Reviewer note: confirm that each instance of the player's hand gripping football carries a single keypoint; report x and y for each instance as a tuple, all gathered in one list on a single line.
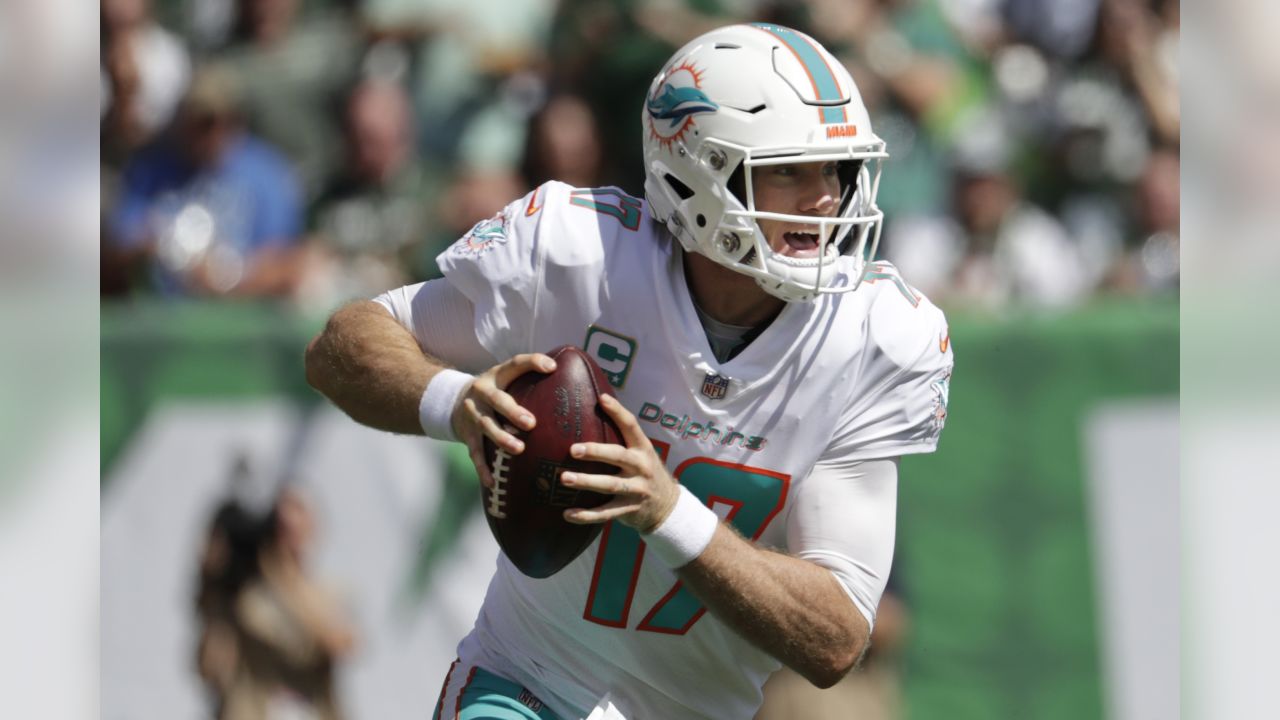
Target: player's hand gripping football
[(644, 492), (486, 407)]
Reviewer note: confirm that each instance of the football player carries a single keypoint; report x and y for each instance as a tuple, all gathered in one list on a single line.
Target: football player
[(768, 376)]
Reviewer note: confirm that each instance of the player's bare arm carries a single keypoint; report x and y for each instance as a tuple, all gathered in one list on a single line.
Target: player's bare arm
[(372, 368), (791, 608)]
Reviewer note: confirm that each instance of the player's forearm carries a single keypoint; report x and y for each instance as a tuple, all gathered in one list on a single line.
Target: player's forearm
[(371, 367), (790, 608)]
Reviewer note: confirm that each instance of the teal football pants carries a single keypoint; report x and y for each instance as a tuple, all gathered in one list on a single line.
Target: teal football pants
[(472, 693)]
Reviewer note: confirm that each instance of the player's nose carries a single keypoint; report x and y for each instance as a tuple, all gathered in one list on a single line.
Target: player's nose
[(817, 196)]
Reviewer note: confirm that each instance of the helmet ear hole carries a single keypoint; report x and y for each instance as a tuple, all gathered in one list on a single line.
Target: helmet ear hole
[(684, 191), (849, 172), (737, 185), (701, 220)]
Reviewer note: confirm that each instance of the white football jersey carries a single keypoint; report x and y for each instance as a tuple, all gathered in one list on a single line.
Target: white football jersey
[(854, 376)]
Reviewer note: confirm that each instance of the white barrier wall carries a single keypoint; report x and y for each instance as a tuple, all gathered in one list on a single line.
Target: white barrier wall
[(373, 494)]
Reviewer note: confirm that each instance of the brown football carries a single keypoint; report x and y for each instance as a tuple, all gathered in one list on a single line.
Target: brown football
[(525, 508)]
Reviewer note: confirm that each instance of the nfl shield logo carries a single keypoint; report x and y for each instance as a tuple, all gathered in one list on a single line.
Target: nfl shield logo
[(714, 386)]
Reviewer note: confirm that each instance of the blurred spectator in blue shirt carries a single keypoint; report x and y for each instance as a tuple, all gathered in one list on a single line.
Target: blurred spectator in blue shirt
[(208, 209)]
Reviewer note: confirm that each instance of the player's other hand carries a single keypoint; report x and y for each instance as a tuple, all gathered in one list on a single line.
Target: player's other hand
[(486, 408), (644, 492)]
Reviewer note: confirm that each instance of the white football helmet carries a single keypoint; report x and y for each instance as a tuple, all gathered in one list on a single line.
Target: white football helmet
[(749, 95)]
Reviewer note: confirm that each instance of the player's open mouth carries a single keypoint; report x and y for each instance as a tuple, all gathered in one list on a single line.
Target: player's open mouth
[(802, 242)]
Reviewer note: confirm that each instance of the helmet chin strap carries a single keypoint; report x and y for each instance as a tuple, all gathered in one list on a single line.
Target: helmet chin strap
[(823, 244)]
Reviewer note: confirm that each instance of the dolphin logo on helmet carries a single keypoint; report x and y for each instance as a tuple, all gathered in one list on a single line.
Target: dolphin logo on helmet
[(675, 104)]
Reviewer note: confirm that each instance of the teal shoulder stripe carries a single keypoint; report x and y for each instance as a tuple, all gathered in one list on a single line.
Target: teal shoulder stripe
[(824, 81)]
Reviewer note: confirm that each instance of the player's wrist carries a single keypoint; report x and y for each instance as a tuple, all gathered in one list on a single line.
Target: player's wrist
[(685, 533), (435, 408)]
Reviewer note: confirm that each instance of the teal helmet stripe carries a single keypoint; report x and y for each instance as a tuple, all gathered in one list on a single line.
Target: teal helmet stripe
[(824, 81)]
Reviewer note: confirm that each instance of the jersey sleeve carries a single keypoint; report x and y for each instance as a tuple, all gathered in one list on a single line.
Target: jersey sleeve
[(497, 264), (899, 404), (533, 270), (442, 321), (843, 518)]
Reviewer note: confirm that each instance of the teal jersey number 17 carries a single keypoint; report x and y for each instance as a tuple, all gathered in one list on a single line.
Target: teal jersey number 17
[(746, 497)]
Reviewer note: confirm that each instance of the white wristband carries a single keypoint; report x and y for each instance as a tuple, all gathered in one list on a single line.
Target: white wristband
[(685, 533), (435, 409)]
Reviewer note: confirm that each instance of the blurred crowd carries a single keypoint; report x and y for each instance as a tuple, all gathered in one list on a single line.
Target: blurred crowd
[(320, 150)]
